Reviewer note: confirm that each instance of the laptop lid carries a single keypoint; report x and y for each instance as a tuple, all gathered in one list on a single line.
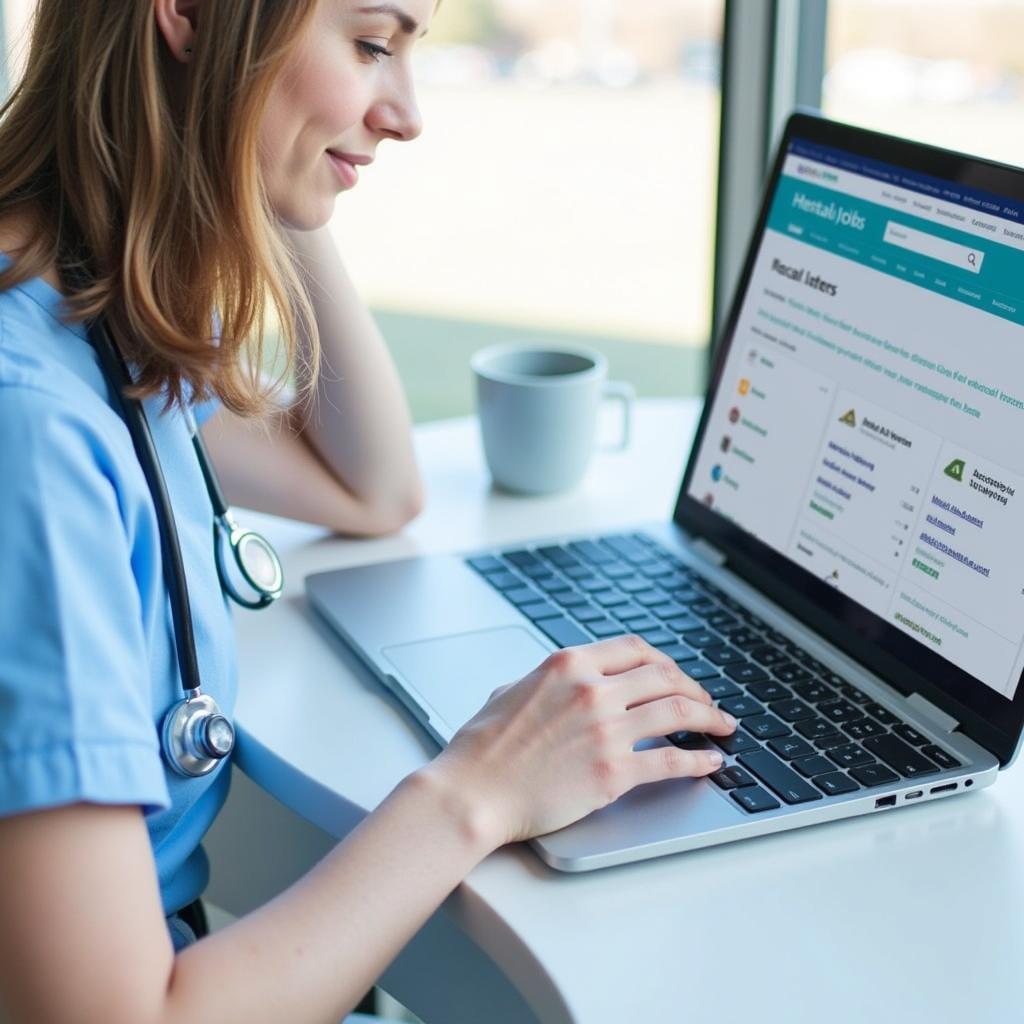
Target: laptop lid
[(860, 456)]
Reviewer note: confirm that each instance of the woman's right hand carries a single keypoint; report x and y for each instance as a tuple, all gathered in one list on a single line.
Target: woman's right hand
[(558, 744)]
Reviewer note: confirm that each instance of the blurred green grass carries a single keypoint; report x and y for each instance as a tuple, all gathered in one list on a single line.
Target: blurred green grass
[(432, 356)]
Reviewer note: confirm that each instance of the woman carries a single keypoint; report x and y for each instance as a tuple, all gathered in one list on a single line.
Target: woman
[(170, 165)]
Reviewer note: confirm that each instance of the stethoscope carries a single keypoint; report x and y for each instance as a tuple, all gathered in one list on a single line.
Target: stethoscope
[(194, 735)]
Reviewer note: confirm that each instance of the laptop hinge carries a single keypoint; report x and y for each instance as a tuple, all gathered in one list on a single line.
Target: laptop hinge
[(708, 552), (938, 716)]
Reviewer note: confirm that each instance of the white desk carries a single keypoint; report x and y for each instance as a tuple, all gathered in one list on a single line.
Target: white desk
[(915, 916)]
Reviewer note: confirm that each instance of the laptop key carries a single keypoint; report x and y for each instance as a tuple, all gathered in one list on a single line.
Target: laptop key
[(486, 564), (540, 610), (642, 590), (521, 558), (850, 755), (504, 580), (718, 688), (678, 652), (603, 628), (831, 741), (558, 556), (686, 740), (910, 763), (701, 670), (736, 743), (817, 728), (792, 710), (724, 655), (885, 716), (627, 611), (732, 778), (768, 690), (754, 799), (940, 757), (617, 570), (671, 610), (840, 711), (722, 620), (768, 656), (683, 624), (912, 736), (765, 727), (701, 638), (813, 765), (778, 777), (741, 707), (835, 783), (523, 595), (862, 728), (747, 672), (874, 775), (852, 693), (549, 583), (643, 625), (790, 672), (579, 571), (591, 552), (655, 637), (609, 598), (587, 612), (789, 747), (746, 638), (814, 692), (564, 632)]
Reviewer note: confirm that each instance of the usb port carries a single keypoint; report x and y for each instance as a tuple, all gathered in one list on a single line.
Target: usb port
[(914, 795), (886, 801), (947, 788)]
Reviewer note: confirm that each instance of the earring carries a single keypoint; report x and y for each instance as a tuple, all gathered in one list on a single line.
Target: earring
[(188, 51)]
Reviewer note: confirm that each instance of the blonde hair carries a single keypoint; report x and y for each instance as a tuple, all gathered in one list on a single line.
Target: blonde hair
[(148, 198)]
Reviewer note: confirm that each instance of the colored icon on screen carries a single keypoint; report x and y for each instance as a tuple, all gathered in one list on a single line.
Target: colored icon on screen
[(744, 386), (955, 470), (726, 443), (850, 418), (716, 473), (734, 414)]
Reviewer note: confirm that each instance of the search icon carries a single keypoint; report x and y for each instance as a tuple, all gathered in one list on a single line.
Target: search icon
[(972, 259)]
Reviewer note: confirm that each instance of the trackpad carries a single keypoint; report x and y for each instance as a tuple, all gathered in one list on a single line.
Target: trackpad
[(454, 675)]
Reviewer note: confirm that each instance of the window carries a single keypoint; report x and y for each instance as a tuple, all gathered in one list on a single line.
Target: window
[(563, 189), (950, 73)]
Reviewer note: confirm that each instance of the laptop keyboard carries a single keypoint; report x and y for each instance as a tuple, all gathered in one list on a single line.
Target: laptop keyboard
[(804, 732)]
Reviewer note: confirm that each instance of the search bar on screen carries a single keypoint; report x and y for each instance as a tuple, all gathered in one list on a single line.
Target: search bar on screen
[(962, 256)]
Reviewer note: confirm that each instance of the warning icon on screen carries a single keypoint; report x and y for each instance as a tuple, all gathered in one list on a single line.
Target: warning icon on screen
[(850, 419)]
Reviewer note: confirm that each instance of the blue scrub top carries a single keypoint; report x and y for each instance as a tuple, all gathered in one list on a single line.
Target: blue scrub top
[(87, 661)]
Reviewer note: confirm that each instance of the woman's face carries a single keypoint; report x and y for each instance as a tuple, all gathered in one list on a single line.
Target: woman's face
[(347, 86)]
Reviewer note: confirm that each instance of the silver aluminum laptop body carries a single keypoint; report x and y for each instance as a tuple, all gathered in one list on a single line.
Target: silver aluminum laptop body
[(441, 639)]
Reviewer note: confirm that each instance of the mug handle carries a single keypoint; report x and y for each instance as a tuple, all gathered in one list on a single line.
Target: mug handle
[(621, 391)]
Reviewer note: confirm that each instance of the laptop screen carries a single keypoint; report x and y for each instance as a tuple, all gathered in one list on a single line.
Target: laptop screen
[(865, 423)]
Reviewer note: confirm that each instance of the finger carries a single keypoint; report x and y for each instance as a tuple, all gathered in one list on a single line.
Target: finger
[(619, 654), (675, 714), (660, 679), (667, 762)]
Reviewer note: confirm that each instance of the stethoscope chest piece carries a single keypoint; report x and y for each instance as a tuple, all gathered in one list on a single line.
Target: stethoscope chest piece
[(196, 736), (255, 561)]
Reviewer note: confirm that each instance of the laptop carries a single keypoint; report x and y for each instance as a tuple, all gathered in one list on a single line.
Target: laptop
[(843, 570)]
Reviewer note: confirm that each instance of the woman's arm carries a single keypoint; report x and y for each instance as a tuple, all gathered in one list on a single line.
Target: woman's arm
[(83, 938), (345, 459)]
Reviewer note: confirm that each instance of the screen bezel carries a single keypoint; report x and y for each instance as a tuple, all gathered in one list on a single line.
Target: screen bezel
[(984, 715)]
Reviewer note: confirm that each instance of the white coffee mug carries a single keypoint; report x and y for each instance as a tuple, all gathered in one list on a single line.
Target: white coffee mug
[(538, 413)]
